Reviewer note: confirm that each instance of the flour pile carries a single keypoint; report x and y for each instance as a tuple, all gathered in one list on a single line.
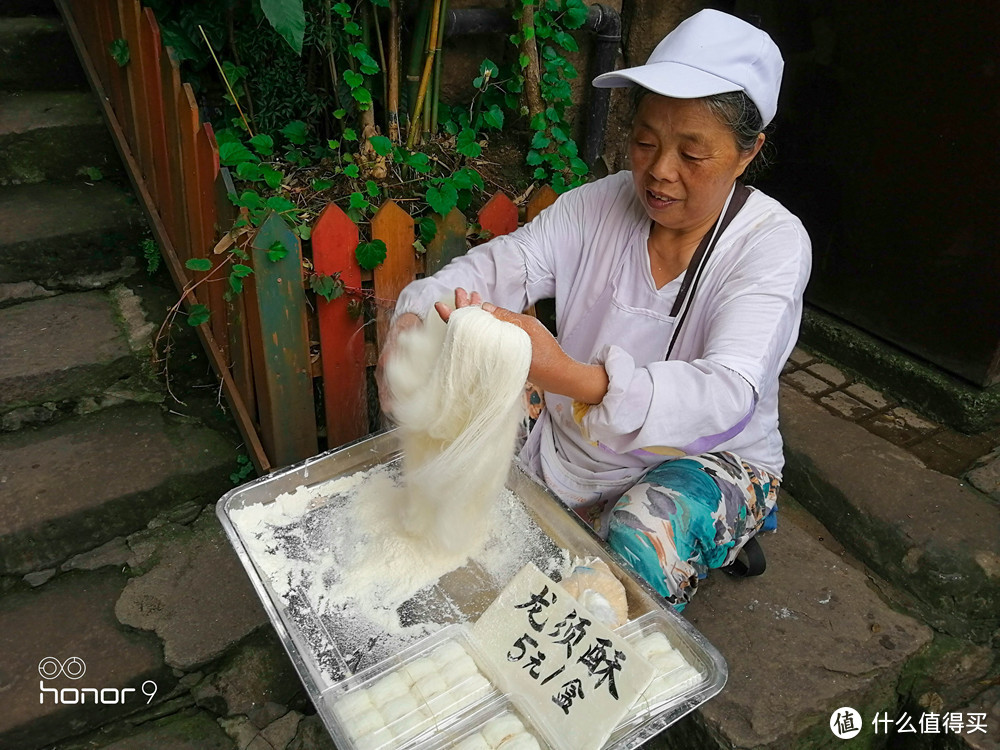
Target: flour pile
[(456, 394)]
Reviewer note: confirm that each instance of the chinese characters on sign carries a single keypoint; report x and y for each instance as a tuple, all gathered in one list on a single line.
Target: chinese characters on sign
[(575, 676)]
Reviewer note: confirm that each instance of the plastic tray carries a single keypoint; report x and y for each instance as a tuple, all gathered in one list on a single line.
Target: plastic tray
[(329, 659)]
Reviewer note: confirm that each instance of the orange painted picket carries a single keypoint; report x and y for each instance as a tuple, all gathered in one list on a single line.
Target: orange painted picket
[(499, 215), (394, 226)]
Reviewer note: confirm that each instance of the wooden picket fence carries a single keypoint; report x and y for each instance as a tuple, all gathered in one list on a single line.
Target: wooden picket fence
[(258, 342)]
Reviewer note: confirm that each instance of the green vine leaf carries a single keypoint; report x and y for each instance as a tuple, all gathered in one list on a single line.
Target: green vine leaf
[(197, 315), (353, 79), (352, 171), (381, 144), (198, 264), (247, 170), (342, 9), (263, 144), (371, 187), (428, 230), (371, 254), (467, 145), (232, 153), (442, 198), (280, 204), (327, 287), (295, 132), (359, 203), (118, 49), (362, 95), (320, 185), (350, 134), (494, 117), (272, 177), (277, 251), (288, 18), (240, 271)]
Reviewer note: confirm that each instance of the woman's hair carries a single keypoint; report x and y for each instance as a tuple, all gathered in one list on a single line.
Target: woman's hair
[(736, 111)]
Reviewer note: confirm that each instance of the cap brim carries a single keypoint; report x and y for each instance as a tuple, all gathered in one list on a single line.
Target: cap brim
[(668, 78)]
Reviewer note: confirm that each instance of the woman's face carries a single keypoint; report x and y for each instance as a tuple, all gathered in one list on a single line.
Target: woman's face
[(684, 162)]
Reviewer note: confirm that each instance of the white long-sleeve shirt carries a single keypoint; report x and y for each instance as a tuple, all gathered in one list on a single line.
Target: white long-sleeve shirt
[(719, 388)]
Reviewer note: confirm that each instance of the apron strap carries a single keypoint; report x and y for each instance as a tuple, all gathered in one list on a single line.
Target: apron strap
[(737, 197)]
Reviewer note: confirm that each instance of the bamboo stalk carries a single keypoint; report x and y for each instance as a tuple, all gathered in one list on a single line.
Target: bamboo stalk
[(416, 55), (381, 53), (367, 115), (331, 63), (432, 120), (226, 80), (425, 78), (392, 95)]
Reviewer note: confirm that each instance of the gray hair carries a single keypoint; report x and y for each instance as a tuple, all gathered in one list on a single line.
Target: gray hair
[(737, 112)]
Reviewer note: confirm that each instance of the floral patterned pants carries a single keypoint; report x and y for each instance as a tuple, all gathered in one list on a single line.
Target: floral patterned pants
[(688, 515)]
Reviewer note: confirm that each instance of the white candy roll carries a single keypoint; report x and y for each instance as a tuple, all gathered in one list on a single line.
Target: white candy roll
[(387, 688), (474, 742), (364, 723), (399, 707), (410, 725), (420, 668), (473, 689), (497, 730), (458, 670), (381, 739), (654, 643), (351, 704), (522, 741), (448, 652), (667, 663), (429, 686)]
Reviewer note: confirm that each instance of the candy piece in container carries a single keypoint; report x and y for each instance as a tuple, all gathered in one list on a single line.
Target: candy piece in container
[(420, 691)]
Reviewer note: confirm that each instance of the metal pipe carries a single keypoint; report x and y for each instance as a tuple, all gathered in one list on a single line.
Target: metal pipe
[(606, 24)]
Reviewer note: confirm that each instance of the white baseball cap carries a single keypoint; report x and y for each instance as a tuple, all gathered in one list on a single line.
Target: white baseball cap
[(709, 53)]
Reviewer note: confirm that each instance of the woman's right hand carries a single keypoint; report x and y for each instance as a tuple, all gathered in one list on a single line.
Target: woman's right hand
[(402, 323)]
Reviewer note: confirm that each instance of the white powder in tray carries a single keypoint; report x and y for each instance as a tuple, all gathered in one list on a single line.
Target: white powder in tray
[(357, 590)]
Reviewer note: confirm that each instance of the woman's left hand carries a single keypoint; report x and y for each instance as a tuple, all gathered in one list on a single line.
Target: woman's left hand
[(552, 369)]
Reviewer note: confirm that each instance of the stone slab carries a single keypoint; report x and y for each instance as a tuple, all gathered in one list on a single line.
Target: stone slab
[(802, 640), (986, 477), (62, 230), (61, 348), (41, 133), (194, 593), (71, 616), (71, 486), (189, 730), (934, 538), (258, 673), (36, 53)]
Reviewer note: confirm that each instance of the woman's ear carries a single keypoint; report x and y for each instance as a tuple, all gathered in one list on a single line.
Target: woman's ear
[(748, 156)]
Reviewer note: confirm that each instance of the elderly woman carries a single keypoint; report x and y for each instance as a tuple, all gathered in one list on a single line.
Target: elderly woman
[(678, 296)]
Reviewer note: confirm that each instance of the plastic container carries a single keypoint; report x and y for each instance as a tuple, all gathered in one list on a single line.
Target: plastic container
[(332, 659)]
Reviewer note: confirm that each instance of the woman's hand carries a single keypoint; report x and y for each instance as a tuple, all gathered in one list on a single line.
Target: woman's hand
[(552, 369)]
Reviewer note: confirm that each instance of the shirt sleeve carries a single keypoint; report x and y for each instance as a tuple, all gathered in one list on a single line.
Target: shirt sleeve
[(514, 270), (693, 406)]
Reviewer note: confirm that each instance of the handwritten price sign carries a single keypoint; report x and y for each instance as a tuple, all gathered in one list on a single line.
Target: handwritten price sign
[(572, 675)]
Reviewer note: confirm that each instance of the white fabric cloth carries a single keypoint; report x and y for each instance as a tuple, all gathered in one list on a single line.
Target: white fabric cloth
[(719, 389)]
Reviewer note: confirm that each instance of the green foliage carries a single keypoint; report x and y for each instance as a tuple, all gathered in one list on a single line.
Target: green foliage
[(244, 469), (371, 254), (197, 315), (327, 287), (288, 18), (118, 49), (277, 251), (151, 252), (198, 264), (91, 173)]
